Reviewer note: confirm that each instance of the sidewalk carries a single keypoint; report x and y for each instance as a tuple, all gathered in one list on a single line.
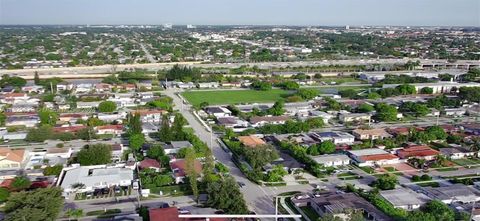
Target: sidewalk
[(285, 206)]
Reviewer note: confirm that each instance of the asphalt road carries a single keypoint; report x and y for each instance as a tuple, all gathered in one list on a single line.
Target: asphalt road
[(264, 65)]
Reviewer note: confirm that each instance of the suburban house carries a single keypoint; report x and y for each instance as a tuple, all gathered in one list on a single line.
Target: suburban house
[(325, 116), (208, 85), (251, 141), (92, 178), (148, 163), (298, 108), (404, 198), (178, 167), (455, 151), (111, 117), (373, 157), (247, 108), (455, 111), (371, 134), (472, 128), (88, 105), (152, 116), (418, 151), (332, 160), (11, 158), (453, 193), (338, 204), (68, 128), (110, 129), (102, 87), (64, 86), (234, 123), (33, 89), (13, 98), (175, 146), (22, 120), (337, 137), (258, 121), (164, 214), (23, 108), (302, 139), (73, 117), (354, 117), (218, 111)]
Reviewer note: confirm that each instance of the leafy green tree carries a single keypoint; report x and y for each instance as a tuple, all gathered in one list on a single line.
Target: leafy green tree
[(315, 122), (12, 81), (276, 174), (163, 180), (406, 89), (326, 147), (350, 93), (107, 106), (365, 108), (289, 85), (277, 109), (470, 94), (415, 109), (94, 122), (386, 182), (43, 204), (417, 215), (165, 134), (224, 194), (96, 154), (40, 134), (307, 94), (53, 170), (386, 112), (4, 194), (177, 127), (86, 134), (439, 210), (426, 90), (47, 117), (21, 182), (261, 85), (3, 118), (261, 155), (374, 96), (134, 124), (190, 171), (136, 141)]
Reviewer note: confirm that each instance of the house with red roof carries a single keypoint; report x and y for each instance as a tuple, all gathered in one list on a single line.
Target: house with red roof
[(70, 129), (109, 129), (179, 167), (418, 151), (148, 163), (373, 157)]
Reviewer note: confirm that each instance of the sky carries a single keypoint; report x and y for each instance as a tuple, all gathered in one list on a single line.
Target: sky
[(243, 12)]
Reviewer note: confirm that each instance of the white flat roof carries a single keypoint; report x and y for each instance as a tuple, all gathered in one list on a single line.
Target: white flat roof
[(369, 151), (95, 175), (330, 158)]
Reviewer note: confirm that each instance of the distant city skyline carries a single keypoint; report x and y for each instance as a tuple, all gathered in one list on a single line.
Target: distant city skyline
[(245, 12)]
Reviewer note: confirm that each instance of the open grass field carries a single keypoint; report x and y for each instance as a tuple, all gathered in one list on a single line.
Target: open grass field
[(234, 96)]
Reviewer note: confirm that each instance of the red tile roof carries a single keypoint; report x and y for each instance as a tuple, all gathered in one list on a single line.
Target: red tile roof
[(68, 129), (181, 166), (110, 127), (149, 163), (417, 151), (377, 157), (164, 214)]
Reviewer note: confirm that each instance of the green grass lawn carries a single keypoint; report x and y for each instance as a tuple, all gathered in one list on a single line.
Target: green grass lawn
[(466, 161), (446, 169), (234, 96)]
